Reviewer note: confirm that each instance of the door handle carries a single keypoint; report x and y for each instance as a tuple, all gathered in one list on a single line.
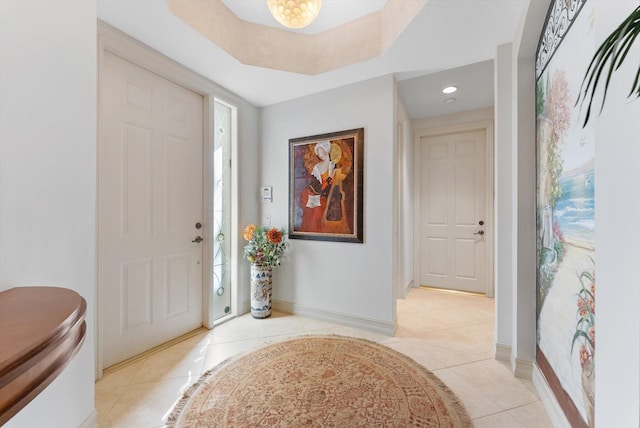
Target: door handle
[(198, 239), (480, 232)]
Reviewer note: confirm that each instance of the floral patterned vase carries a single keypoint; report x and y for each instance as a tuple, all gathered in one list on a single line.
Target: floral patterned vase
[(260, 291)]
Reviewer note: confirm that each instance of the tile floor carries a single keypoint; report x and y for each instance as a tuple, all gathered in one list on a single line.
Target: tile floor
[(449, 333)]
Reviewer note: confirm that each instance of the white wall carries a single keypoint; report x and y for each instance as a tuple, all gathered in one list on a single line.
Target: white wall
[(617, 176), (454, 119), (404, 201), (354, 280), (524, 198), (504, 199), (48, 176)]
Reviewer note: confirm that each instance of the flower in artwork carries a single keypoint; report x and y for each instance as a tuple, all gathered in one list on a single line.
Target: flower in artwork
[(586, 325), (584, 355)]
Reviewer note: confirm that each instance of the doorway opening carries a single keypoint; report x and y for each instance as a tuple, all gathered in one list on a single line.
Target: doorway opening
[(453, 208)]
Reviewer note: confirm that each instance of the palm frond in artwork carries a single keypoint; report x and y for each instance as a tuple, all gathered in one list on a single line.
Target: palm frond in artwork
[(607, 59)]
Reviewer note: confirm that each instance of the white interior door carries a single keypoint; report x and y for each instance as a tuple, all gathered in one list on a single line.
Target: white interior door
[(453, 212), (150, 175)]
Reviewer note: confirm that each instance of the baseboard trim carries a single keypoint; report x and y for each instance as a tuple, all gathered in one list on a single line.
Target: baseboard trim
[(554, 411), (408, 288), (245, 307), (522, 368), (368, 324), (503, 353), (91, 421)]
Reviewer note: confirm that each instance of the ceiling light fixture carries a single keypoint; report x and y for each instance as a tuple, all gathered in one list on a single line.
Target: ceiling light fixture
[(294, 13), (449, 89)]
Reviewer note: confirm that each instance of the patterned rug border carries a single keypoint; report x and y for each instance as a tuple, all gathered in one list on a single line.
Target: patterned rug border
[(456, 402)]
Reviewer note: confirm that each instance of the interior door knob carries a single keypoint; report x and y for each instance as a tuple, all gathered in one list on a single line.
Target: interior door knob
[(198, 239), (480, 232)]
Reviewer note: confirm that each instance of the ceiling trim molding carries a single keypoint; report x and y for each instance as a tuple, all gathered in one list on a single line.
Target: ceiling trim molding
[(278, 49)]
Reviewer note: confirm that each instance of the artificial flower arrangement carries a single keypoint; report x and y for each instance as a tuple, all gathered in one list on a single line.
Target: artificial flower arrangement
[(265, 246)]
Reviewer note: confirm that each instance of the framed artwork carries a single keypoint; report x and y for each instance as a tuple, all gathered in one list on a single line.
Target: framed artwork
[(326, 186)]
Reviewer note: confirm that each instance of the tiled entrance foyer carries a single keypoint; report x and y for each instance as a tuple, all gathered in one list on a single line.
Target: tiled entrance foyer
[(449, 333)]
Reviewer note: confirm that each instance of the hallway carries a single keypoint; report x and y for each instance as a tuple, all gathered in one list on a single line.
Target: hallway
[(449, 333)]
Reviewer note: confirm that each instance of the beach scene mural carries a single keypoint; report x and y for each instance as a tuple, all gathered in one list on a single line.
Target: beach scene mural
[(566, 168)]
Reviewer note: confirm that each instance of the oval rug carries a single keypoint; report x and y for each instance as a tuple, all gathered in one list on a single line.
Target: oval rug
[(320, 381)]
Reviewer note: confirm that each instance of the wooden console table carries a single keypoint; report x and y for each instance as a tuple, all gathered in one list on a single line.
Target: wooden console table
[(41, 329)]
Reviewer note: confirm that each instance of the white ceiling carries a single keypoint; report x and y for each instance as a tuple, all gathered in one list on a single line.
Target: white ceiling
[(422, 96), (445, 35)]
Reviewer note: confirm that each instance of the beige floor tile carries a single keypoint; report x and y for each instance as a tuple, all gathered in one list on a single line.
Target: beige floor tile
[(492, 381), (532, 415), (146, 405), (105, 400), (498, 420), (474, 399), (201, 338), (449, 333), (240, 328), (458, 339), (279, 324), (434, 357), (120, 377), (219, 352), (175, 362)]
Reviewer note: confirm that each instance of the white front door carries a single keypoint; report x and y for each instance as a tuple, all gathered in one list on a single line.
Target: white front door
[(453, 211), (150, 196)]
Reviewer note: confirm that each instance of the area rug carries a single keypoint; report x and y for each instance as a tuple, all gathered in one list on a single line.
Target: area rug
[(320, 381)]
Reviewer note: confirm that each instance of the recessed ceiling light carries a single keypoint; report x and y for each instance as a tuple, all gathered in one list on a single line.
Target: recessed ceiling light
[(450, 100), (449, 89)]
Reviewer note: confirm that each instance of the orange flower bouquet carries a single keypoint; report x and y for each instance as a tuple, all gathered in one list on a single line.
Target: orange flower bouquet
[(265, 246)]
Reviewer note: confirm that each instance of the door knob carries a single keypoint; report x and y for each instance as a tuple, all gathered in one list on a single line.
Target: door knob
[(198, 239), (480, 232)]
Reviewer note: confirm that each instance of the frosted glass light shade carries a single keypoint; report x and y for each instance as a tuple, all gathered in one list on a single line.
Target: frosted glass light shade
[(294, 13)]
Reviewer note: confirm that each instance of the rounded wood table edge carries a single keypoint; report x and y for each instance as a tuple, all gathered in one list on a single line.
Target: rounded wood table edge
[(41, 329)]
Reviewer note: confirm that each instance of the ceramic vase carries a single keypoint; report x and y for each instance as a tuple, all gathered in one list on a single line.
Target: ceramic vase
[(261, 291)]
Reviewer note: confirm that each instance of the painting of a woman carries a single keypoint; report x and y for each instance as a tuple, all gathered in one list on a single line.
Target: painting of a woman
[(322, 199)]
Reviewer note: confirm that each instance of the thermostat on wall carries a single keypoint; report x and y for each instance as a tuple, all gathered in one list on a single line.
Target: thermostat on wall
[(266, 194)]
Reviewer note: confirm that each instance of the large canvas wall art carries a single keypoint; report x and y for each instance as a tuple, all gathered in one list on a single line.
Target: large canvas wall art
[(326, 186), (566, 279)]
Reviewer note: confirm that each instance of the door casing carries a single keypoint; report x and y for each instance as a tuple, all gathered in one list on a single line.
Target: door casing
[(487, 127)]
